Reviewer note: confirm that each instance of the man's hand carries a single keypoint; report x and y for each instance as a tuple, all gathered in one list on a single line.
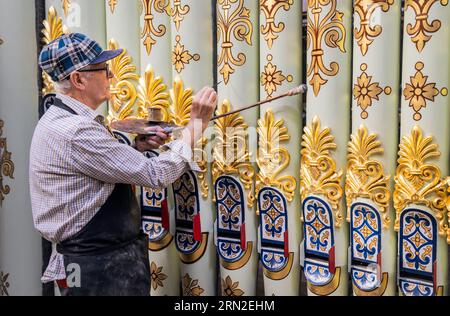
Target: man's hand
[(145, 143)]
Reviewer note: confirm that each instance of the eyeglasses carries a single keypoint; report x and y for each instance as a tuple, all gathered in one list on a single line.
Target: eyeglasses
[(109, 73)]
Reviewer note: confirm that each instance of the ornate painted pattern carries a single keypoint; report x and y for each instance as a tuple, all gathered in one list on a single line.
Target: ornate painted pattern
[(271, 77), (157, 276), (417, 244), (366, 233), (112, 5), (230, 288), (274, 225), (233, 22), (318, 227), (185, 191), (422, 30), (230, 218), (367, 32), (6, 165), (272, 159), (318, 173), (417, 181), (149, 31), (178, 12), (123, 90), (365, 176), (365, 91), (66, 6), (365, 279), (152, 94), (270, 8), (418, 91), (181, 56), (4, 284), (316, 273), (324, 24), (191, 287)]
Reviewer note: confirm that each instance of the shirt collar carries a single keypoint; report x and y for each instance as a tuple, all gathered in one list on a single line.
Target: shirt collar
[(80, 108)]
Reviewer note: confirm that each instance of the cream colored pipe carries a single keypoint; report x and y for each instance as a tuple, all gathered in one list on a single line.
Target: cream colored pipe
[(20, 244), (324, 147), (373, 148), (191, 29), (238, 73), (424, 150), (279, 178)]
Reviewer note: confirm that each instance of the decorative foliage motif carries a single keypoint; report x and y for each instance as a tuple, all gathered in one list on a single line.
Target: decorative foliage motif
[(153, 203), (318, 168), (418, 91), (317, 274), (191, 287), (270, 9), (232, 21), (157, 276), (366, 33), (6, 165), (230, 288), (181, 56), (151, 94), (416, 180), (421, 31), (328, 28), (271, 77), (271, 159), (112, 5), (123, 90), (53, 29), (230, 152), (149, 30), (365, 176), (364, 91), (177, 12), (66, 6), (4, 284), (274, 226)]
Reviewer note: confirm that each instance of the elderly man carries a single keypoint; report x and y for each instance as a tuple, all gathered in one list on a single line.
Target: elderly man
[(81, 176)]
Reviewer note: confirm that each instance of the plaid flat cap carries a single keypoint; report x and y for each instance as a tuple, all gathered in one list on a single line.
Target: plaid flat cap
[(71, 52)]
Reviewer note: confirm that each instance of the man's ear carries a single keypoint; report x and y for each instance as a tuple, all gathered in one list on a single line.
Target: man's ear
[(77, 80)]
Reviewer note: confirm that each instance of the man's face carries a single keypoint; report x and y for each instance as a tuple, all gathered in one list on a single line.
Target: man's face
[(97, 86)]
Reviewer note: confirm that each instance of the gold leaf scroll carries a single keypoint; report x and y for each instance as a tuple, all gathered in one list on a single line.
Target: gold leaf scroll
[(6, 165), (151, 94), (421, 31), (178, 12), (318, 173), (112, 5), (232, 23), (417, 181), (149, 30), (365, 176), (123, 90), (329, 29), (230, 152), (53, 29), (66, 6), (366, 33), (273, 159), (270, 9), (180, 114)]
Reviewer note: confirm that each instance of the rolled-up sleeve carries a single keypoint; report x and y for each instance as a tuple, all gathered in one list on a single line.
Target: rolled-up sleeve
[(99, 155)]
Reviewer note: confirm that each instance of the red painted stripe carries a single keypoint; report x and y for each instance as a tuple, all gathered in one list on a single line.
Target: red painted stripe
[(286, 243), (165, 215), (197, 228), (243, 238), (331, 261)]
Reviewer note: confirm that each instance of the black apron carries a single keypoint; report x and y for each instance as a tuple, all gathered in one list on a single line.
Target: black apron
[(111, 251)]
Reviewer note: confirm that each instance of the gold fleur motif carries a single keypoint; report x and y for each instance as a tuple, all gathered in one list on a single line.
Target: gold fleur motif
[(180, 56), (270, 9), (364, 91), (318, 173), (6, 165), (329, 29), (418, 91), (191, 287), (112, 5), (123, 90), (235, 22), (365, 176), (421, 31), (53, 29), (230, 288), (151, 94), (271, 77), (149, 30), (272, 159), (230, 152), (178, 12), (157, 276), (4, 284), (367, 32), (66, 6), (416, 180)]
